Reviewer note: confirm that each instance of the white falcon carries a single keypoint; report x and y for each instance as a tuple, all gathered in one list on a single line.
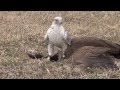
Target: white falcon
[(57, 36)]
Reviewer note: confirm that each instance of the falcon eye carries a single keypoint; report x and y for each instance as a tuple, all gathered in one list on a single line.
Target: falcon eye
[(56, 20)]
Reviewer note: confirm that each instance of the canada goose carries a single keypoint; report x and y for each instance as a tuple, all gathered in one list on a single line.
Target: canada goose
[(78, 42), (92, 52), (93, 57)]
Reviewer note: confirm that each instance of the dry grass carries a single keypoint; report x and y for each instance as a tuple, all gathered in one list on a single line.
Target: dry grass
[(24, 30)]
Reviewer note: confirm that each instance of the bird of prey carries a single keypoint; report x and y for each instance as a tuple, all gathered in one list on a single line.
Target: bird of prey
[(57, 36)]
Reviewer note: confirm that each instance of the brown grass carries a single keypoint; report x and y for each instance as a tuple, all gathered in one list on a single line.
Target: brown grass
[(24, 30)]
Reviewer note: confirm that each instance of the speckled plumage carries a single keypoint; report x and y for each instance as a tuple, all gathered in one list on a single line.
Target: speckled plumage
[(57, 36)]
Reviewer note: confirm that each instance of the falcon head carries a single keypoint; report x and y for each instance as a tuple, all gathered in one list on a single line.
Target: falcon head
[(57, 20)]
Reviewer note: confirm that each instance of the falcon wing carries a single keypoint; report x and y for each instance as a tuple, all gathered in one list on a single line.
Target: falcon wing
[(46, 39), (67, 37)]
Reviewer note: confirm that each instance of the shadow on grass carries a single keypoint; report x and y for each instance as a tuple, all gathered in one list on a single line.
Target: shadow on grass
[(41, 56)]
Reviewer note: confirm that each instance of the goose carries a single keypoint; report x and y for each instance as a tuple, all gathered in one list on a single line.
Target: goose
[(91, 52)]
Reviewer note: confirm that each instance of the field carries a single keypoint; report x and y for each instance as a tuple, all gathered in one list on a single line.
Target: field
[(21, 31)]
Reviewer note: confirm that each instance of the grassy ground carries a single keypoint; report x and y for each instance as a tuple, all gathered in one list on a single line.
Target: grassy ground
[(24, 30)]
